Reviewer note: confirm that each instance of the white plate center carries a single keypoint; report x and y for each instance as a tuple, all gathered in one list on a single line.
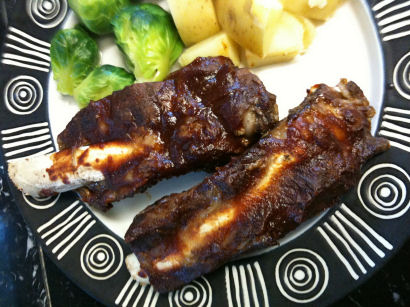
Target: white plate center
[(345, 47)]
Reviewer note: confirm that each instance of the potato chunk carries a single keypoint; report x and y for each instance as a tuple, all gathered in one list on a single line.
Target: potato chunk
[(250, 23), (315, 9), (219, 44), (310, 31), (194, 19), (288, 42)]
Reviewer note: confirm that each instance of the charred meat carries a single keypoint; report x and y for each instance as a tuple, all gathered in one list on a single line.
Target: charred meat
[(198, 118), (297, 170)]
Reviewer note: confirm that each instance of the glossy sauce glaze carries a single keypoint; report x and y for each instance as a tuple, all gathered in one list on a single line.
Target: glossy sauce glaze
[(297, 170), (198, 118)]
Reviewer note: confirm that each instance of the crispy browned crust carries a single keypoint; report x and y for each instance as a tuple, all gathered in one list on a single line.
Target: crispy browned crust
[(298, 169), (199, 117)]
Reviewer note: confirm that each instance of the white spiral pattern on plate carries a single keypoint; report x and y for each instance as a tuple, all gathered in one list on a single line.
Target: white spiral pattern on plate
[(383, 191), (101, 257), (23, 95), (401, 76), (47, 13), (198, 294), (301, 275), (41, 203)]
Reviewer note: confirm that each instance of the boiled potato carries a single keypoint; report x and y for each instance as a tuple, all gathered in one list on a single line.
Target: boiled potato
[(310, 31), (287, 42), (219, 44), (250, 23), (315, 9), (194, 19)]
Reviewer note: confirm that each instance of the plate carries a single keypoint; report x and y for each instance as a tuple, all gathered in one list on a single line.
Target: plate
[(321, 261)]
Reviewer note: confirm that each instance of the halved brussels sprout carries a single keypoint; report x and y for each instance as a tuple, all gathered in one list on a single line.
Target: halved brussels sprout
[(101, 82), (74, 54), (147, 35), (97, 14)]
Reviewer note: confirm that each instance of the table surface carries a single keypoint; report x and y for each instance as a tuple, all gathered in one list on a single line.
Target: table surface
[(29, 278)]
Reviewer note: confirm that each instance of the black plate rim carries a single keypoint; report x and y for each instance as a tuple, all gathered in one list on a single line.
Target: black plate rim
[(263, 272)]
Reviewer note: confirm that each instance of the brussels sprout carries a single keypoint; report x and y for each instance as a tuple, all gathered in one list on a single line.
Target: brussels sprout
[(97, 14), (147, 35), (101, 82), (74, 54)]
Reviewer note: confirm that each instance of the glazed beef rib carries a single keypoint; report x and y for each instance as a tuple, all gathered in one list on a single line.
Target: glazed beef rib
[(297, 170), (198, 118)]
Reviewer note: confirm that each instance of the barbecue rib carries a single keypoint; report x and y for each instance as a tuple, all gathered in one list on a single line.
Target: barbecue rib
[(117, 146), (292, 173)]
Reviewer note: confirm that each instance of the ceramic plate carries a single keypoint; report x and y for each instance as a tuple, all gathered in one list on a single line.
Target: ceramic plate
[(321, 261)]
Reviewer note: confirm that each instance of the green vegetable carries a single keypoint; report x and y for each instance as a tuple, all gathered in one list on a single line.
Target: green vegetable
[(101, 82), (97, 14), (148, 36), (74, 54)]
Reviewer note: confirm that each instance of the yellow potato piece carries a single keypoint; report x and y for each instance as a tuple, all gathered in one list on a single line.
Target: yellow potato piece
[(195, 19), (310, 31), (315, 9), (288, 42), (219, 44), (250, 23)]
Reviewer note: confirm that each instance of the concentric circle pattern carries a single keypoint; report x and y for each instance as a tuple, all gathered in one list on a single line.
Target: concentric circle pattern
[(47, 13), (384, 191), (401, 76), (23, 95), (41, 203), (198, 294), (101, 257), (301, 275)]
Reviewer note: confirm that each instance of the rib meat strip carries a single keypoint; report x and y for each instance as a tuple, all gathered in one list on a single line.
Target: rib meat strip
[(298, 169), (198, 118)]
